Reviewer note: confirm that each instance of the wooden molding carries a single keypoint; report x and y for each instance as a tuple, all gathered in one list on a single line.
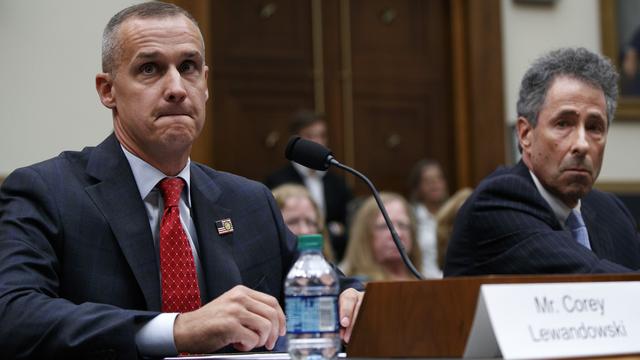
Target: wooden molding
[(460, 93), (478, 89), (619, 187)]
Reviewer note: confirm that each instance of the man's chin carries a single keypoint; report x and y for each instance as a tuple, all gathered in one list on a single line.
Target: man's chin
[(576, 191), (178, 139)]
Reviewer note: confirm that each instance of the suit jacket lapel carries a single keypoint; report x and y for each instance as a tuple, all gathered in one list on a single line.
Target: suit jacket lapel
[(544, 209), (117, 196), (216, 251)]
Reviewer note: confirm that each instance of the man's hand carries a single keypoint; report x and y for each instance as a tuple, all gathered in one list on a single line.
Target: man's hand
[(241, 317), (350, 301)]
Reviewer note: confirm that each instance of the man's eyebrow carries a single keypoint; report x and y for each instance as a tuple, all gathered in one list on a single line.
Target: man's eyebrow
[(146, 55), (193, 54), (565, 112)]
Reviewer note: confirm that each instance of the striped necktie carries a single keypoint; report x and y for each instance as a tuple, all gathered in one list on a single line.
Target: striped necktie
[(575, 223)]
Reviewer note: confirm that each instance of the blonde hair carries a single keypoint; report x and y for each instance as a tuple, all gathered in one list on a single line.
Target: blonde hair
[(359, 259), (444, 221), (285, 192)]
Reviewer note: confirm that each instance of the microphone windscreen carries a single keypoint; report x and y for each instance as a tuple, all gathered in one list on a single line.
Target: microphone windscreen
[(308, 153)]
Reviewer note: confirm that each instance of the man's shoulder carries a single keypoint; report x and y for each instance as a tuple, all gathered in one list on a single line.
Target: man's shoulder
[(513, 179), (63, 165), (598, 199), (285, 174), (335, 178), (226, 180)]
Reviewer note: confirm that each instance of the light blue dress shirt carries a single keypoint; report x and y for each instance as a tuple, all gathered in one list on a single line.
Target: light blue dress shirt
[(155, 338)]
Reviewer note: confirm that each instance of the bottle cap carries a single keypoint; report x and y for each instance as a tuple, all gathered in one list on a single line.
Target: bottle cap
[(310, 242)]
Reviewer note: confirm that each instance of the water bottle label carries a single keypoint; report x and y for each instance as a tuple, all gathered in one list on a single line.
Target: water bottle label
[(312, 314)]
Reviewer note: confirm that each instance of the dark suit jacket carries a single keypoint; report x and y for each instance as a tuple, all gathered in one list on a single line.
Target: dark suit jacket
[(78, 268), (336, 198), (506, 227)]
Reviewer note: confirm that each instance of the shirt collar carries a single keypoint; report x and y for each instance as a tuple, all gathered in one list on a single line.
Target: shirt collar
[(147, 177), (305, 171), (560, 210)]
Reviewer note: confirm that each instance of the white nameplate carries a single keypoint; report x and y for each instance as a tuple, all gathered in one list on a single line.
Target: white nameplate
[(537, 321)]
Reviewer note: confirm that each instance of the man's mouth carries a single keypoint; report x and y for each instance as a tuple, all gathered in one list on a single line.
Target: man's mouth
[(172, 114), (579, 170)]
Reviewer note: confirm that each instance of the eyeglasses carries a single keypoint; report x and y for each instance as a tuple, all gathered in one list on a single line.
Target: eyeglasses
[(399, 225), (302, 222)]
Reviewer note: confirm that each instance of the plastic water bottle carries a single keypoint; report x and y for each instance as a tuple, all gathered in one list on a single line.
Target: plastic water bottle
[(311, 304)]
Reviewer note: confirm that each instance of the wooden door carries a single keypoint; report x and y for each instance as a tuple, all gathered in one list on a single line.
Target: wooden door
[(401, 87), (381, 70), (261, 73), (263, 64)]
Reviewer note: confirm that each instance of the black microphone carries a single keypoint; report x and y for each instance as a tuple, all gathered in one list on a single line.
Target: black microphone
[(315, 156)]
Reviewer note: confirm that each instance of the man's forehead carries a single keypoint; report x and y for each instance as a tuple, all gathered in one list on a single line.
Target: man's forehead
[(570, 89), (175, 26)]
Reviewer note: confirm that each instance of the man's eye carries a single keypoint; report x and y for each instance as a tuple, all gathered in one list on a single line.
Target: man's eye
[(187, 66), (148, 68)]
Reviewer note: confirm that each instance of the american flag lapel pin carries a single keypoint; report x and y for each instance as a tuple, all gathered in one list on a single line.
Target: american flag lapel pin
[(224, 226)]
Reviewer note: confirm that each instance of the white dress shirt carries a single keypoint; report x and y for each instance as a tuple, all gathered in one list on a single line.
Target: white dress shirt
[(559, 208), (313, 182), (426, 226)]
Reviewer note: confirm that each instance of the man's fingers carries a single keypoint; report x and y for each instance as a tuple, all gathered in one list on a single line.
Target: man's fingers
[(350, 301), (246, 340), (272, 302), (349, 330), (268, 308)]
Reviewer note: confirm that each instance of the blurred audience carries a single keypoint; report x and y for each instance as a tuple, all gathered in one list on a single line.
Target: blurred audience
[(444, 220), (428, 189), (329, 191), (301, 213), (371, 254)]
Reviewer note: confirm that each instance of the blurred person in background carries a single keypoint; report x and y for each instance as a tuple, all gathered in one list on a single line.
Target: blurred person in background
[(329, 191), (445, 219), (371, 254), (429, 191), (301, 213)]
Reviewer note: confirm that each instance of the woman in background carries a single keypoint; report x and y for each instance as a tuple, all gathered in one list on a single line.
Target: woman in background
[(429, 192), (371, 253), (301, 214), (445, 218)]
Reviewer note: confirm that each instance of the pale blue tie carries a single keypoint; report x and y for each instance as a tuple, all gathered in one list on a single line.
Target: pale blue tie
[(575, 223)]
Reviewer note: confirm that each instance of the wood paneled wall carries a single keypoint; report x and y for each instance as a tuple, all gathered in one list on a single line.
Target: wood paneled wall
[(399, 80)]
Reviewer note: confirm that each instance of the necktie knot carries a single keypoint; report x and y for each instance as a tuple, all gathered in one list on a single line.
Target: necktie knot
[(574, 221), (171, 188), (578, 229)]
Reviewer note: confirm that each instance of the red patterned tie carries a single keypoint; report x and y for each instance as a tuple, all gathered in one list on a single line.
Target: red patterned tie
[(180, 291)]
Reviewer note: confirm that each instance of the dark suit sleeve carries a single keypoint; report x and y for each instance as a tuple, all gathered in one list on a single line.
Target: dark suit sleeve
[(507, 228), (36, 321)]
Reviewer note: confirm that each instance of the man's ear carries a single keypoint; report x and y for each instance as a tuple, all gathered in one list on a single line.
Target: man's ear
[(524, 131), (206, 76), (104, 86)]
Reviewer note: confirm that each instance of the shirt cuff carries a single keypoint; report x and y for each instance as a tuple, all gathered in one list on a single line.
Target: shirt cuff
[(155, 338)]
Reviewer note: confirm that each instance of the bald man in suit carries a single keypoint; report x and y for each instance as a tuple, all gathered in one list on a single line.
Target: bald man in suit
[(87, 266)]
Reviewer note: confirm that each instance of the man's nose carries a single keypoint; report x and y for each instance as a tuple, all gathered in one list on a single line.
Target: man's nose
[(174, 91), (580, 141)]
